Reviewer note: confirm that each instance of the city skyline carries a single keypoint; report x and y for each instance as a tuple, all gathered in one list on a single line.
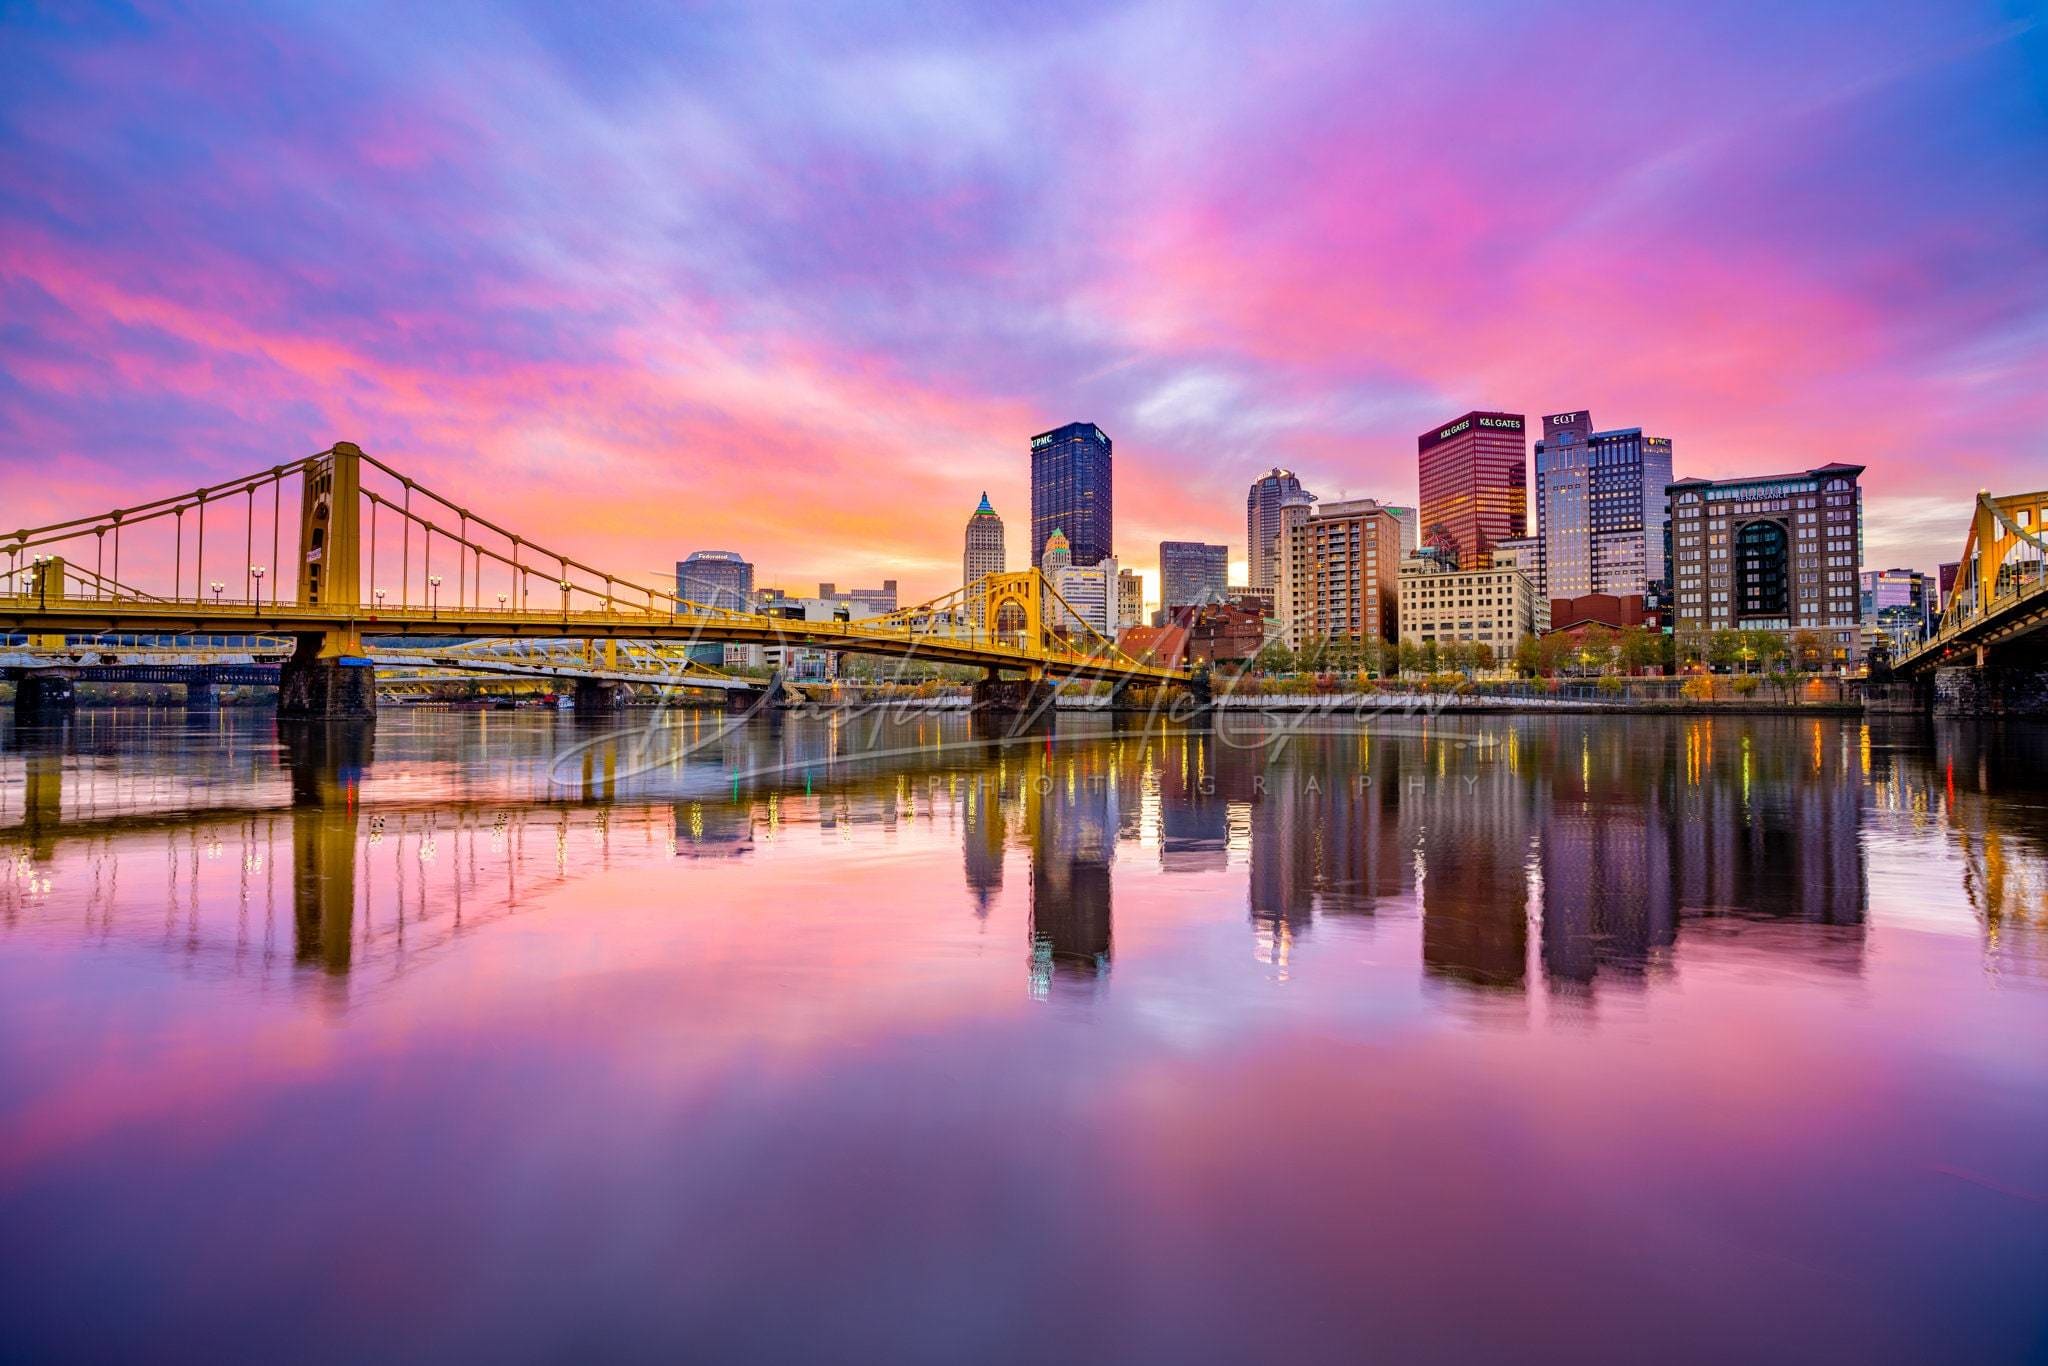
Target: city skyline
[(641, 279)]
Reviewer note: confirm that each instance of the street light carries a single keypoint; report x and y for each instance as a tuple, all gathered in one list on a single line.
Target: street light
[(257, 571), (434, 588), (501, 602), (565, 600), (217, 586), (380, 599), (42, 563)]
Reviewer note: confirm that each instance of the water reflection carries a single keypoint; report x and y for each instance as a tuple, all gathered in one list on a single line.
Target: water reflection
[(1591, 842), (888, 1042)]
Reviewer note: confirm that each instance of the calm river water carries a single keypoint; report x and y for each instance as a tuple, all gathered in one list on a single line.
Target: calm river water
[(496, 1037)]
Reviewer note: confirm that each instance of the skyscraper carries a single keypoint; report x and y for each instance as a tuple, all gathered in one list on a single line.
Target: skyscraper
[(1474, 482), (1056, 554), (1600, 509), (1070, 491), (716, 578), (1411, 538), (1270, 492), (984, 553), (1192, 573)]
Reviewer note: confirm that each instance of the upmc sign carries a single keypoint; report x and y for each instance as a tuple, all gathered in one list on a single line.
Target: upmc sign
[(1496, 422)]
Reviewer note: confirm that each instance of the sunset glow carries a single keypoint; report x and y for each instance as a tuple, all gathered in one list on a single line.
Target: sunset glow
[(802, 284)]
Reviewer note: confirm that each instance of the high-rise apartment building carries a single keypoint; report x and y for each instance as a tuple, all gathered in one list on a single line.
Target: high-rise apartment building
[(1339, 573), (1776, 552), (1070, 492), (1192, 573), (1474, 479), (1600, 508), (1270, 492)]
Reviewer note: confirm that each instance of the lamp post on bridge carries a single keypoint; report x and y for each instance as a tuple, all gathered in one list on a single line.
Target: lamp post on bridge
[(218, 588), (380, 598), (434, 588), (565, 603), (257, 572)]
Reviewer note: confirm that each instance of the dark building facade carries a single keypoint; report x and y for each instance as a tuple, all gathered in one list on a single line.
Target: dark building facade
[(716, 578), (1269, 493), (1071, 492), (1474, 478), (1192, 573)]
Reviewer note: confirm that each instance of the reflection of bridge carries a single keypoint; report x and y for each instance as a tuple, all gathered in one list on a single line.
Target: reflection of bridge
[(304, 842), (1989, 651), (378, 556), (1621, 838), (203, 664)]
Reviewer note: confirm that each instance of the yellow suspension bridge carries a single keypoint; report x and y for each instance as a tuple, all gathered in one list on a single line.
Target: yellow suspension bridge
[(351, 560)]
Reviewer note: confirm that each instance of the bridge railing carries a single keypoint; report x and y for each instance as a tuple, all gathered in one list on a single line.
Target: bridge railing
[(2029, 580)]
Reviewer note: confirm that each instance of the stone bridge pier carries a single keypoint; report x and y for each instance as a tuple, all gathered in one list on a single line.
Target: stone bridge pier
[(1014, 706), (319, 683), (43, 696), (598, 695), (1993, 689)]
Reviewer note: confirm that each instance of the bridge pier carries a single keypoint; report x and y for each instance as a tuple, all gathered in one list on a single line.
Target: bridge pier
[(598, 695), (770, 696), (1011, 706), (1991, 690), (315, 687), (43, 696), (1896, 696), (200, 694)]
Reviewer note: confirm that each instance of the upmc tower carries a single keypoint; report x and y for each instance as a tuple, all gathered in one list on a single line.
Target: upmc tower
[(1474, 478), (1070, 492)]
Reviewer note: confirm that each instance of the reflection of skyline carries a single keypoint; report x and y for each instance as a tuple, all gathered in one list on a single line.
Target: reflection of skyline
[(1611, 837), (1074, 822)]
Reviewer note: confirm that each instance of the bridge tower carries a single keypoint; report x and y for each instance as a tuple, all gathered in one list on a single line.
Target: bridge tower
[(322, 680), (1013, 605), (330, 526)]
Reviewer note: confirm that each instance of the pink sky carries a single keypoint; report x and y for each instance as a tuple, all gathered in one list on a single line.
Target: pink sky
[(802, 284)]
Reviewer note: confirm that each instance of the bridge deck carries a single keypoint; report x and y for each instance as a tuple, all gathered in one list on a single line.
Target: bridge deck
[(86, 616)]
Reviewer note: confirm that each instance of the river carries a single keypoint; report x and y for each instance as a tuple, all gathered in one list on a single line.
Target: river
[(524, 1036)]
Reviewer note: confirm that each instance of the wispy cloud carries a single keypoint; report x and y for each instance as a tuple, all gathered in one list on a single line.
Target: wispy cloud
[(801, 281)]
